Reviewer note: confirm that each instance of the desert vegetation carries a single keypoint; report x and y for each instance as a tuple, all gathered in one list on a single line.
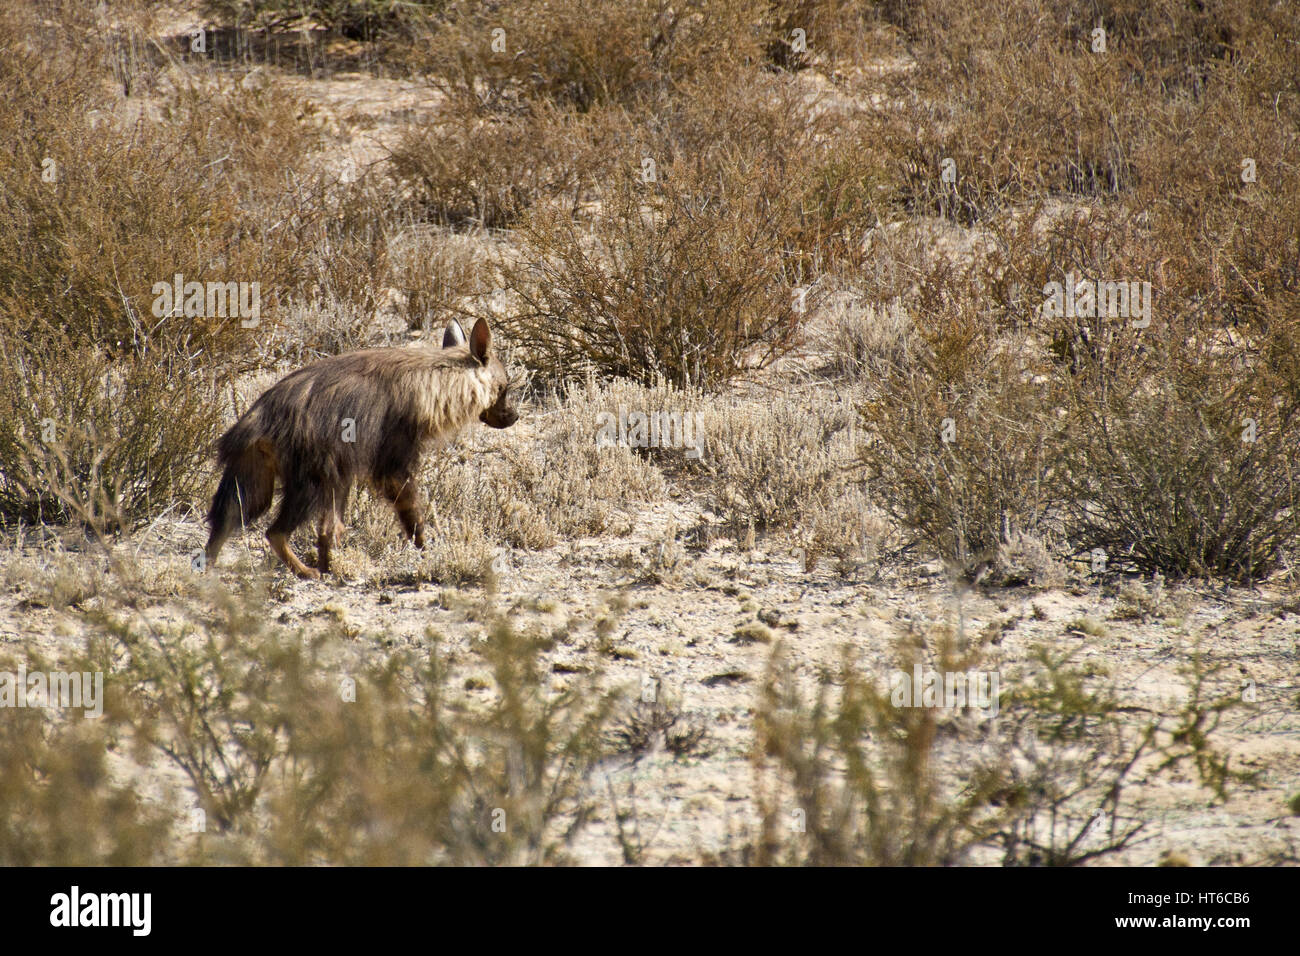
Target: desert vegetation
[(854, 340)]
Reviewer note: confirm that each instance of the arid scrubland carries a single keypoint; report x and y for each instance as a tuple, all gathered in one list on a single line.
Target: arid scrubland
[(907, 470)]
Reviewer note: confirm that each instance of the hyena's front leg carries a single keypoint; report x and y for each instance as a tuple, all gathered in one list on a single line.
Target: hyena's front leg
[(280, 545), (405, 498)]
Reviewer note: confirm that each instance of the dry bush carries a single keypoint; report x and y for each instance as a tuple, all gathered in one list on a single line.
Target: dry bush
[(1137, 602), (1054, 243), (94, 211), (310, 331), (199, 191), (355, 19), (595, 405), (849, 527), (714, 208), (470, 524), (647, 726), (971, 106), (1159, 203), (486, 495), (348, 230), (459, 553), (835, 32), (461, 169), (299, 751), (1129, 441), (562, 484), (662, 238), (844, 775), (1229, 249), (214, 177), (202, 696), (409, 774), (1176, 44), (1153, 136), (436, 272), (774, 464), (860, 340), (582, 54), (1161, 206), (674, 282), (961, 442), (665, 555), (808, 159), (1025, 559), (50, 576), (108, 442), (1150, 465), (1024, 106), (1190, 471), (59, 804), (473, 516), (581, 486)]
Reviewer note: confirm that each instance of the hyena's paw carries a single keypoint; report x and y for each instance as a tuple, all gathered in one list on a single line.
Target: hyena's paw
[(280, 546)]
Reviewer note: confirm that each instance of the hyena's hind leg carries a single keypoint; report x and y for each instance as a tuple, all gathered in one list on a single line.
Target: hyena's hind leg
[(331, 526), (243, 495), (404, 496), (301, 500)]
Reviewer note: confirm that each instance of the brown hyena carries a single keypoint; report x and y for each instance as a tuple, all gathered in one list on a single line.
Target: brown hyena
[(368, 414)]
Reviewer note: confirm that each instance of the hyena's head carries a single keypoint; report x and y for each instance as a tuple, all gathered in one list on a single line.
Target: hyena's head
[(500, 413)]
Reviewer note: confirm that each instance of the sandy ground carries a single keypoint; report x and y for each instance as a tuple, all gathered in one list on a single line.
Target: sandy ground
[(681, 633)]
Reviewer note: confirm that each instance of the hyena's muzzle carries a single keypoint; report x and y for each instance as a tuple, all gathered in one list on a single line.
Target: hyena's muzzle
[(500, 414)]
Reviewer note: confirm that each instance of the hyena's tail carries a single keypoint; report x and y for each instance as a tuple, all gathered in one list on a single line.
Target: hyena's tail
[(246, 489)]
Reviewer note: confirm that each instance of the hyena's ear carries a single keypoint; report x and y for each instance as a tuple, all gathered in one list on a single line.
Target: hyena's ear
[(454, 335), (480, 339)]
